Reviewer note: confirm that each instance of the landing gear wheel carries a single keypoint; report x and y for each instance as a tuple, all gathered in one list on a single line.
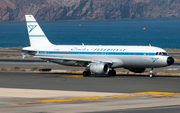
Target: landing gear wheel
[(86, 73), (112, 73), (151, 73)]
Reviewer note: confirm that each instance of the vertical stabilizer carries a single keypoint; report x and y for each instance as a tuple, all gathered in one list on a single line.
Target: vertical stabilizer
[(36, 35)]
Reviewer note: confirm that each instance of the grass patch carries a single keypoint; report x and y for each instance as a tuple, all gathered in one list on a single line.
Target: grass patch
[(11, 48), (172, 50)]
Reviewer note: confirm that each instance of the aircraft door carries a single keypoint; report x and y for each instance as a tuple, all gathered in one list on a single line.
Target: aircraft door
[(146, 54), (146, 57)]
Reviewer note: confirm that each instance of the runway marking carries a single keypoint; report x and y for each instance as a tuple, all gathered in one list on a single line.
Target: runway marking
[(173, 69), (138, 94), (158, 93), (73, 76), (160, 96), (30, 103)]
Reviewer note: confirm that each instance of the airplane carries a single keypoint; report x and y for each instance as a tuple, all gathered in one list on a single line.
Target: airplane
[(97, 59)]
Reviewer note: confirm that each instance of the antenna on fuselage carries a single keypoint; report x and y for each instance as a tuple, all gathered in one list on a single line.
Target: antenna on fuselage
[(150, 45), (83, 44)]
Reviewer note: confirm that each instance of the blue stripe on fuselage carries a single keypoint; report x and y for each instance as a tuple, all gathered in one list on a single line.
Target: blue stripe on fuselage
[(95, 53)]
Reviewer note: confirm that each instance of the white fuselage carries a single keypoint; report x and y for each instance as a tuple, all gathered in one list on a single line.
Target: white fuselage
[(120, 56)]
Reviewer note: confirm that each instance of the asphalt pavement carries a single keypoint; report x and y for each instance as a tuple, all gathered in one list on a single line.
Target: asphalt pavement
[(30, 92)]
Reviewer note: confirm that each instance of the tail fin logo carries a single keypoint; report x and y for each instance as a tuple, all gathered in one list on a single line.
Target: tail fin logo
[(31, 27)]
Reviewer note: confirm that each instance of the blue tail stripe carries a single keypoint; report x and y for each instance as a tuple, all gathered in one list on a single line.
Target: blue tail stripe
[(37, 35)]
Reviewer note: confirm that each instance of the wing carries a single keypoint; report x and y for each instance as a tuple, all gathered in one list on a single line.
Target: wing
[(74, 59)]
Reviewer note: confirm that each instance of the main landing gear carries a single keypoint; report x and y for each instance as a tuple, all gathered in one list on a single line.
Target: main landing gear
[(112, 72), (86, 73), (151, 73)]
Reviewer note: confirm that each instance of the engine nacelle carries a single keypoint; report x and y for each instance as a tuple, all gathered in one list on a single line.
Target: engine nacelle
[(99, 68), (137, 70)]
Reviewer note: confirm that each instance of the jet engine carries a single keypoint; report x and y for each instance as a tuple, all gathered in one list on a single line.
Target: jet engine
[(99, 68), (137, 70)]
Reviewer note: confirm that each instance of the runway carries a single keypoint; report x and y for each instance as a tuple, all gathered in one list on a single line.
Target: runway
[(58, 92), (38, 92)]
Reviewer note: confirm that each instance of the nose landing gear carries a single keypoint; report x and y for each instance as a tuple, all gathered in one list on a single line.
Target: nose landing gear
[(151, 73)]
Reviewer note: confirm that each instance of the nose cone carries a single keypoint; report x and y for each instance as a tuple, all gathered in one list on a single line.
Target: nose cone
[(170, 60)]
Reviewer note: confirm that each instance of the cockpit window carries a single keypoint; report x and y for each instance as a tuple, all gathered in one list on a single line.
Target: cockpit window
[(162, 53)]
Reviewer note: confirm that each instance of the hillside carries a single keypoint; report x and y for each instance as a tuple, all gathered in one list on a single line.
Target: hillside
[(56, 10)]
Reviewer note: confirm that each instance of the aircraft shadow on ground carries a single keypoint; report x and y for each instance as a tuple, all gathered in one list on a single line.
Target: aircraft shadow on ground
[(118, 75)]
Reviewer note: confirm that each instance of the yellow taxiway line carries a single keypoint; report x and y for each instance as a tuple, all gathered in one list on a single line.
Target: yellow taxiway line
[(138, 94), (73, 76)]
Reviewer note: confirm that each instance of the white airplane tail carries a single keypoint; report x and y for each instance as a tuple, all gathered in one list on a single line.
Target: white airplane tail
[(36, 35)]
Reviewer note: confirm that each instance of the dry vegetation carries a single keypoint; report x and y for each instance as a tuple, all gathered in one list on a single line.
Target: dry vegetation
[(11, 48), (172, 50), (10, 55), (13, 55)]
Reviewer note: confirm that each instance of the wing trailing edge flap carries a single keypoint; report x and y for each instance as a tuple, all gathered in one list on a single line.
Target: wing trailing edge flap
[(74, 59)]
